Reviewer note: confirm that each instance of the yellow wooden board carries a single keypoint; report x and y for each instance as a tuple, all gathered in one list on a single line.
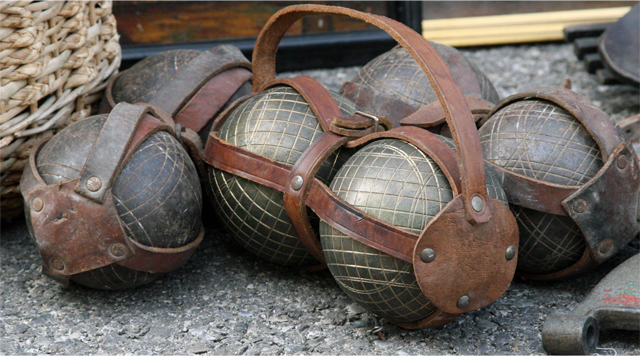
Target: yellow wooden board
[(516, 28)]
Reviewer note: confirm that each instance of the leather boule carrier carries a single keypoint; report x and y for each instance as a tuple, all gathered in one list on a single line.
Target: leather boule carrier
[(470, 236), (605, 208), (75, 222)]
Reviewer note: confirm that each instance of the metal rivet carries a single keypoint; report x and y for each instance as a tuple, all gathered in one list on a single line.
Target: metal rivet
[(463, 302), (427, 255), (56, 263), (118, 249), (580, 205), (622, 161), (94, 184), (605, 246), (477, 203), (510, 253), (37, 204), (296, 182)]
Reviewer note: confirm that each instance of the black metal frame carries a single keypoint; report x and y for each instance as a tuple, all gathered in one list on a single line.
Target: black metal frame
[(322, 50)]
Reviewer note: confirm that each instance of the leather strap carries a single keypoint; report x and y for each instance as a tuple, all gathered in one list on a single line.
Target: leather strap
[(108, 152), (299, 184), (532, 193), (204, 104), (326, 110), (449, 93), (192, 76), (432, 115)]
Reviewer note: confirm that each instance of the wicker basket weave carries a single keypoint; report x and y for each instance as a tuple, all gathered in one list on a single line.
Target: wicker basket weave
[(55, 60)]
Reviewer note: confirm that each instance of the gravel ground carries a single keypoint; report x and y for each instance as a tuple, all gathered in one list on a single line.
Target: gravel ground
[(226, 301)]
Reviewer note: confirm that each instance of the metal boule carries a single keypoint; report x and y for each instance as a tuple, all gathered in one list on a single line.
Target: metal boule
[(345, 255), (393, 85), (282, 110), (135, 206)]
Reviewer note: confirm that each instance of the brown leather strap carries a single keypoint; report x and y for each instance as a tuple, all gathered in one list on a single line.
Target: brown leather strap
[(584, 264), (360, 124), (449, 93), (433, 115), (108, 152), (227, 157), (532, 193), (157, 259), (359, 225), (299, 184), (191, 77), (204, 104), (594, 121)]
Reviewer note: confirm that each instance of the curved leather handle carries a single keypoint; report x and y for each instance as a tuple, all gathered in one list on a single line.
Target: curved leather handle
[(458, 115)]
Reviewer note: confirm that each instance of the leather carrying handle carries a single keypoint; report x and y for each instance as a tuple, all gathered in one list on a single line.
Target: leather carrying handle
[(458, 115)]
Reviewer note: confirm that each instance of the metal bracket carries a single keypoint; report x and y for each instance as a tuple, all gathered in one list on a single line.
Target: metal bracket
[(613, 304)]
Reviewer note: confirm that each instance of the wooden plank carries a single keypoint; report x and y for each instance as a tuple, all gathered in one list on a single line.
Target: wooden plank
[(517, 28), (191, 21)]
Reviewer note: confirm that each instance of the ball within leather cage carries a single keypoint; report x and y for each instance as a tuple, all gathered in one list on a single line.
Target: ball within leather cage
[(472, 227), (605, 209), (56, 59)]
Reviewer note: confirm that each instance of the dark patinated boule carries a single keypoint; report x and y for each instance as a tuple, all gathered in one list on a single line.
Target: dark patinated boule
[(157, 195), (394, 86), (138, 83), (540, 140), (395, 182), (277, 124)]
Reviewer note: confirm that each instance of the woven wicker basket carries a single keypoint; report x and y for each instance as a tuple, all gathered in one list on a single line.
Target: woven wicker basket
[(55, 60)]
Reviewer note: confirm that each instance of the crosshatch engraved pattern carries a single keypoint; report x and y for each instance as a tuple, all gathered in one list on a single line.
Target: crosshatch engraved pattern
[(540, 140), (157, 194), (396, 74), (277, 124), (548, 242), (394, 181)]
